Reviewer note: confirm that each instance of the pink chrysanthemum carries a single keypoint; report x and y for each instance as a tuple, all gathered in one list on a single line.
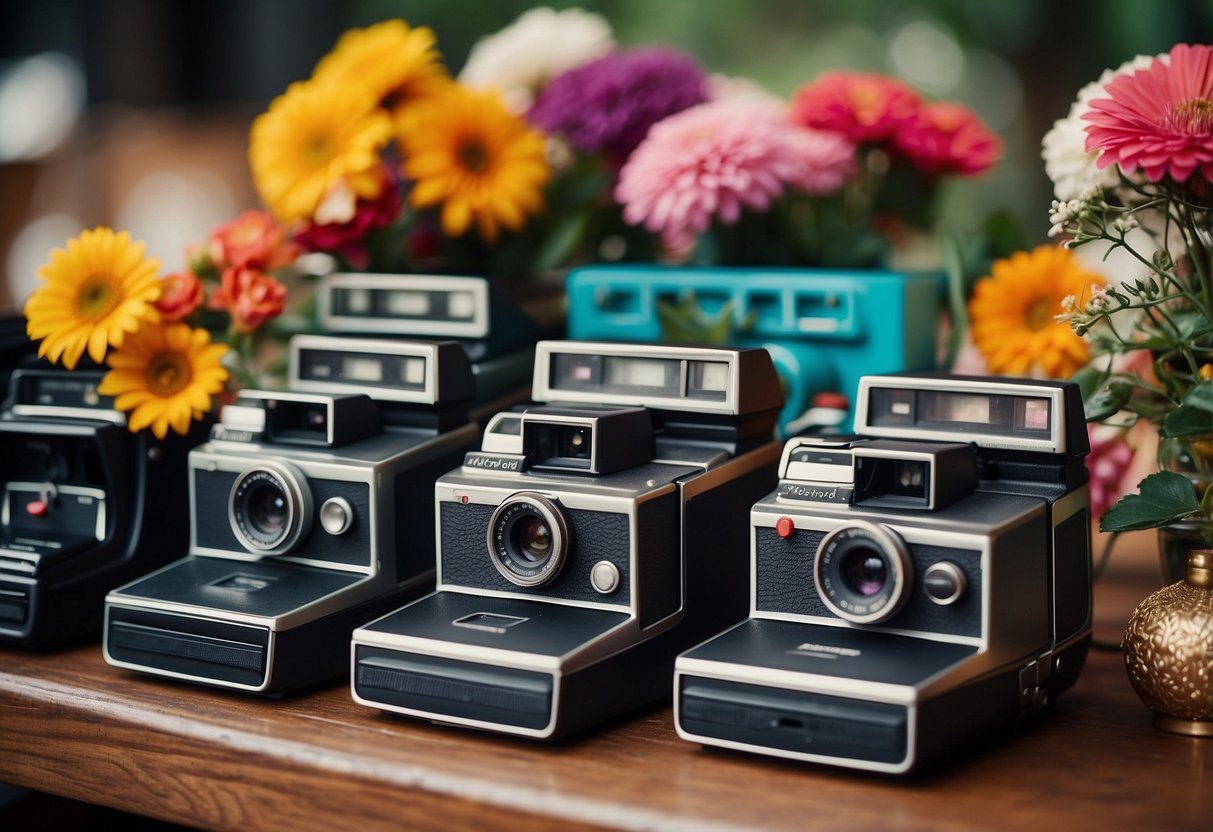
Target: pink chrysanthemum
[(946, 137), (1159, 119), (1109, 466), (714, 160), (863, 106)]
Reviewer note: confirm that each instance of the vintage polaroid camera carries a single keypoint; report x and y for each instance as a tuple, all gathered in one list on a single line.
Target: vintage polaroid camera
[(310, 513), (591, 539), (498, 336), (916, 587), (87, 504), (824, 328)]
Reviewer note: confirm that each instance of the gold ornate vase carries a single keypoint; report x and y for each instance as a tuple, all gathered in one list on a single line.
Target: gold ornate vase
[(1168, 650)]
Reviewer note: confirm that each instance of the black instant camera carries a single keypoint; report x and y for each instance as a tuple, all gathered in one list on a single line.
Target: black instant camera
[(498, 336), (87, 505), (915, 587), (309, 514), (590, 540)]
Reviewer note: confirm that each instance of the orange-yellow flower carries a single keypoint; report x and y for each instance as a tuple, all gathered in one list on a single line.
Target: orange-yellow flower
[(398, 63), (315, 138), (1013, 313), (165, 376), (466, 152), (96, 291)]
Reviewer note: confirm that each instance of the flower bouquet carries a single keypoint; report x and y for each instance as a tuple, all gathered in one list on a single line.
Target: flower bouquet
[(1133, 168)]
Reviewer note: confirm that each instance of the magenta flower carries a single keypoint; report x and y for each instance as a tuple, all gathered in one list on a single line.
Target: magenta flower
[(610, 103), (1159, 119), (348, 239), (863, 106), (946, 137), (715, 160), (1108, 465)]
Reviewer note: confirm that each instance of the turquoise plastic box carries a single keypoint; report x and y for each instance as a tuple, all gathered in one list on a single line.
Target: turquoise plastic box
[(824, 328)]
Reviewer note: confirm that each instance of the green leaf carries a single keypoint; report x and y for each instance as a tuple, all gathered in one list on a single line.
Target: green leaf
[(1107, 401), (1187, 420), (1163, 497), (1200, 396)]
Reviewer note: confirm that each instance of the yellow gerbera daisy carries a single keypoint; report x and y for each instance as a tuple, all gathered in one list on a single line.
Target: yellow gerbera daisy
[(313, 138), (464, 150), (1013, 313), (97, 290), (165, 376), (398, 63)]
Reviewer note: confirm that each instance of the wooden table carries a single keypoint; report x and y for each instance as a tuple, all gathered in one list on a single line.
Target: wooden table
[(71, 725)]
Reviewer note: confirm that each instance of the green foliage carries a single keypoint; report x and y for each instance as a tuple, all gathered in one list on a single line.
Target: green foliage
[(1163, 497)]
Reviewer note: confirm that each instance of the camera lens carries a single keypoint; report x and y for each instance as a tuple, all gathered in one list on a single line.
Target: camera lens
[(528, 539), (862, 573), (269, 508), (266, 508), (532, 539)]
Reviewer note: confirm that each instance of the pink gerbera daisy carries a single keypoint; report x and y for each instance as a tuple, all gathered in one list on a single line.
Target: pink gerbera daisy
[(946, 137), (863, 106), (1160, 118), (715, 159)]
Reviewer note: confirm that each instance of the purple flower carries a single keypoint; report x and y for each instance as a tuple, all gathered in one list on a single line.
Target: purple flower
[(610, 103)]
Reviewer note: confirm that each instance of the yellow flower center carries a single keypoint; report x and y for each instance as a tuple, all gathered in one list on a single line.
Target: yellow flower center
[(317, 150), (474, 156), (1040, 315), (1193, 117), (96, 297), (168, 373)]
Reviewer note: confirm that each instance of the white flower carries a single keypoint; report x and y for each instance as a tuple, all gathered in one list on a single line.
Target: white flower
[(1067, 162), (542, 43)]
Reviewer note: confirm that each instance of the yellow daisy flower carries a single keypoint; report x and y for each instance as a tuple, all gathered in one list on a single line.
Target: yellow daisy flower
[(165, 376), (1013, 313), (97, 290), (464, 150), (398, 63), (312, 139)]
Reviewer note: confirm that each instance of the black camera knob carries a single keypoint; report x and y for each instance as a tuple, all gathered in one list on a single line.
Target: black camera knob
[(945, 582)]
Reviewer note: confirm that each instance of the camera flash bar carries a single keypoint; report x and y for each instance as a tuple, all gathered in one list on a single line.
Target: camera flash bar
[(414, 372), (693, 379), (404, 304)]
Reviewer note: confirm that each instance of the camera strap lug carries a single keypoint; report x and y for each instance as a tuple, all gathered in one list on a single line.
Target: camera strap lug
[(1033, 694)]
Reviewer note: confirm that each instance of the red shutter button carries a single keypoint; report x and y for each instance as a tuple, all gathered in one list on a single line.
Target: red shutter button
[(36, 508), (784, 527)]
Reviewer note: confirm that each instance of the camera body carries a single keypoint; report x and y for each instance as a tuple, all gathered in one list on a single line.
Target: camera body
[(498, 336), (824, 328), (304, 510), (87, 504), (912, 591), (593, 536)]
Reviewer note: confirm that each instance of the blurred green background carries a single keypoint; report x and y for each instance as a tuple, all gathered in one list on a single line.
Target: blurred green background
[(135, 113)]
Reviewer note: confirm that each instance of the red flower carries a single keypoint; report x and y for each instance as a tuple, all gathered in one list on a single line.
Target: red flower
[(349, 238), (253, 240), (249, 296), (946, 137), (180, 294), (1159, 119), (863, 106)]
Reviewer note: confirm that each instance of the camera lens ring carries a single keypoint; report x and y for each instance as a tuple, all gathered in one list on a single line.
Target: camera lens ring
[(269, 507), (528, 539), (863, 573)]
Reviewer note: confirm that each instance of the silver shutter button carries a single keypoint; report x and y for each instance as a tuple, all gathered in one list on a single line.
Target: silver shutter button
[(336, 515), (604, 577), (944, 582)]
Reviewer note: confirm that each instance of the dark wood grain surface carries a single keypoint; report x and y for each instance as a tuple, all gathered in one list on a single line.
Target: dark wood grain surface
[(71, 725)]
